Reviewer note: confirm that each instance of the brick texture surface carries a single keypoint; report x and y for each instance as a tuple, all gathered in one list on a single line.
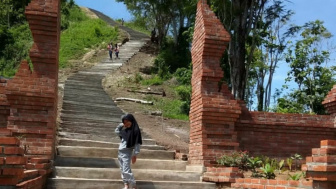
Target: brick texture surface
[(247, 183), (211, 133), (321, 166), (330, 101), (28, 102)]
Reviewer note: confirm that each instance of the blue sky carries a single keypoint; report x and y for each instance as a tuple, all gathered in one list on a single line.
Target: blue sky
[(109, 7), (305, 11)]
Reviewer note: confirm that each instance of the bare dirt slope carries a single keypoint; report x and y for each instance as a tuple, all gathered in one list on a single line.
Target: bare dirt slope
[(173, 134)]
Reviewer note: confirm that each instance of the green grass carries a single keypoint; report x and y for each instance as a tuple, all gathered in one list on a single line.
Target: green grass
[(83, 35), (156, 80), (171, 108)]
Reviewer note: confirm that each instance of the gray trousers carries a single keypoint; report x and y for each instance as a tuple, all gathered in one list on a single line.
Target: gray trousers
[(125, 157)]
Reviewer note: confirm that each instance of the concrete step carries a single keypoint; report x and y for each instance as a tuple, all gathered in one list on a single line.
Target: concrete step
[(89, 117), (113, 163), (92, 107), (114, 173), (71, 183), (84, 104), (114, 138), (95, 130), (112, 112), (91, 143), (82, 136), (79, 151)]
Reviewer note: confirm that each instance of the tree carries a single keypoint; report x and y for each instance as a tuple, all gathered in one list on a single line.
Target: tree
[(308, 62), (240, 18), (12, 12), (271, 45), (164, 14)]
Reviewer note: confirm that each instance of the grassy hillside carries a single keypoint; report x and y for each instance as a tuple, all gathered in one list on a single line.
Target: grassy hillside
[(83, 33), (79, 34)]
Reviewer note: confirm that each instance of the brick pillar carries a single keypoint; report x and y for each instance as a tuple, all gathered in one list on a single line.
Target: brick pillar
[(12, 162), (330, 103), (4, 109), (213, 109), (32, 93), (321, 166)]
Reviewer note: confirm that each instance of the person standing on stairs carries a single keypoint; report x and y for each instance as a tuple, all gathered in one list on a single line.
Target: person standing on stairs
[(129, 148), (110, 49), (117, 51)]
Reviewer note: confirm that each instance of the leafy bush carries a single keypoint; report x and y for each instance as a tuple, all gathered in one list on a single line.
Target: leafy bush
[(268, 171), (234, 159), (183, 76), (173, 55), (184, 92), (137, 78), (253, 164), (162, 64), (15, 50)]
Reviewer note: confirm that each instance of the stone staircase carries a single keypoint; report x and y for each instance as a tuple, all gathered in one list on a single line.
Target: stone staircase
[(87, 147)]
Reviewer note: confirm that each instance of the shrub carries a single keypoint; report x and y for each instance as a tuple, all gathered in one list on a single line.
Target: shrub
[(183, 76), (15, 50), (137, 78), (268, 171), (234, 159), (253, 164), (184, 92), (161, 65)]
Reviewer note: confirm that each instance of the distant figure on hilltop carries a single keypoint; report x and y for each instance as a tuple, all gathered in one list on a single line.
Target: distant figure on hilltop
[(110, 49), (122, 21)]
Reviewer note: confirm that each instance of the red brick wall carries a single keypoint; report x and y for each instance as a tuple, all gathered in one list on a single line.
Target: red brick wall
[(4, 109), (28, 102), (249, 183), (211, 134), (330, 101), (282, 135)]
